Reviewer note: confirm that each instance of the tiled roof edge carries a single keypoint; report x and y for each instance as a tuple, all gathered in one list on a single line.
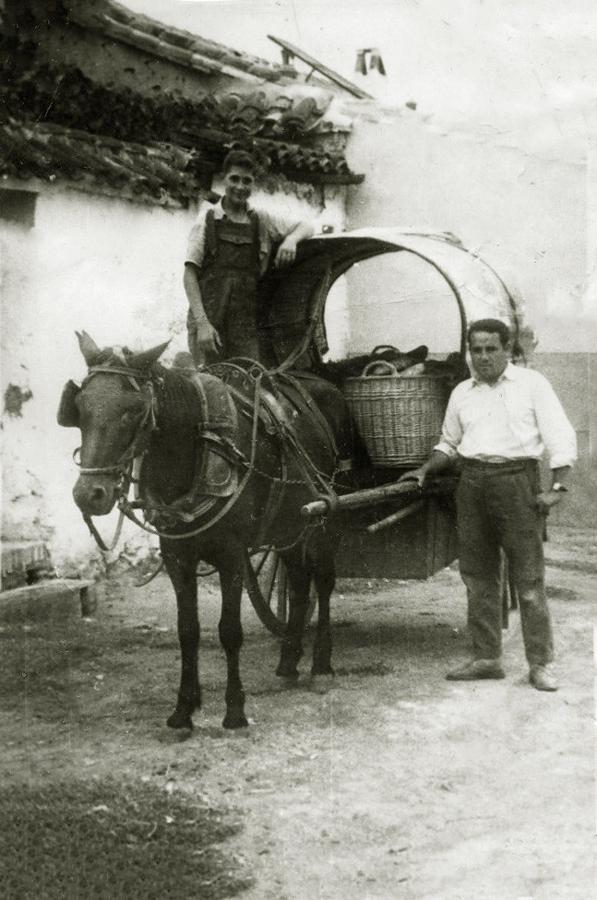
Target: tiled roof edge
[(178, 46), (162, 174)]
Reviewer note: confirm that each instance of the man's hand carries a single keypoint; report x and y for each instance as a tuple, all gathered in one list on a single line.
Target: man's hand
[(546, 499), (419, 475), (208, 339), (286, 252)]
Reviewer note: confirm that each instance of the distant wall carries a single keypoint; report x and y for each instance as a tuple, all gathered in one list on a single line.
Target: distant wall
[(113, 268), (527, 215), (574, 378)]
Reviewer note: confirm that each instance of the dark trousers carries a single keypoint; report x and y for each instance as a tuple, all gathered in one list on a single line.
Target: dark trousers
[(496, 509)]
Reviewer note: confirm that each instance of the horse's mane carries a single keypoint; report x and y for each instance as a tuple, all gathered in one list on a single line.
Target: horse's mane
[(178, 403)]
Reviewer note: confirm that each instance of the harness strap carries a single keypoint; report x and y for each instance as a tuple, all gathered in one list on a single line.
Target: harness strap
[(317, 482), (273, 503), (313, 409), (128, 511), (136, 448)]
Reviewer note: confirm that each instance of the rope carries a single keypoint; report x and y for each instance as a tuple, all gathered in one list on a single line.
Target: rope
[(97, 536)]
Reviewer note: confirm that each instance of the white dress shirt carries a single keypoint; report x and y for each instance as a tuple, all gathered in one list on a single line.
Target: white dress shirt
[(518, 417)]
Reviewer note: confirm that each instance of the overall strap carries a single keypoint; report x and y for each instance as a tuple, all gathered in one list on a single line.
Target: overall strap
[(211, 237), (254, 219)]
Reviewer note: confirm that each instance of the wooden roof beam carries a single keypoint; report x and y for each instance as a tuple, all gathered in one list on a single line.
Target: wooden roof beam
[(289, 50)]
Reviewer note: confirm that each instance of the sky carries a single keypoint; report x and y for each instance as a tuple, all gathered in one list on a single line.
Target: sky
[(522, 70)]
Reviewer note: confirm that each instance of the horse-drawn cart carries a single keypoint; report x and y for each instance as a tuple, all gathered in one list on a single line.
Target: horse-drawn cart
[(388, 529), (258, 470)]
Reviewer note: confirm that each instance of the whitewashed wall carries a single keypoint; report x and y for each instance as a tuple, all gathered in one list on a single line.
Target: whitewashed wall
[(529, 214), (113, 268)]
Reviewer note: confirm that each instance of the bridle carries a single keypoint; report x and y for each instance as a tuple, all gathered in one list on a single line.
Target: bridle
[(146, 425), (135, 451)]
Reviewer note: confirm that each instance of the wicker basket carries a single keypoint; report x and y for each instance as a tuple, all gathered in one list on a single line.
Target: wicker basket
[(399, 417)]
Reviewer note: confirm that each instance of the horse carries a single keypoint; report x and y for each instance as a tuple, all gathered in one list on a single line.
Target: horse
[(224, 471)]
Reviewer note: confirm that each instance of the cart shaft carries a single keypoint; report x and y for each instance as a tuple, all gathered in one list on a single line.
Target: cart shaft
[(365, 497)]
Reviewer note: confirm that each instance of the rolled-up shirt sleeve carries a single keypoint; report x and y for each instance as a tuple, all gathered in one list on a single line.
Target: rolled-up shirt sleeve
[(277, 226), (451, 435), (196, 241), (555, 428)]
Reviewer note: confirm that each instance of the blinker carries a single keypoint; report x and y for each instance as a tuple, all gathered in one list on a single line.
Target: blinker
[(68, 414)]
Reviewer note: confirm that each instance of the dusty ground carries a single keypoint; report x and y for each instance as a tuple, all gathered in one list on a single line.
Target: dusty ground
[(395, 784)]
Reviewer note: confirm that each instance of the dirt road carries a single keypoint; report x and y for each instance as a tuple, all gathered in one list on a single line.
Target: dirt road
[(394, 784)]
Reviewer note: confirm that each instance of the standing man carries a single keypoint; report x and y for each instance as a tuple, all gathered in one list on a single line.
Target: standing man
[(499, 423), (228, 251)]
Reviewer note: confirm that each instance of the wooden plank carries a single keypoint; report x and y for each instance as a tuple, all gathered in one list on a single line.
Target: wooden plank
[(22, 555), (319, 67), (396, 517)]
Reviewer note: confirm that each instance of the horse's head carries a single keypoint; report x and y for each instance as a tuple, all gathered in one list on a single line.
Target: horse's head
[(114, 408)]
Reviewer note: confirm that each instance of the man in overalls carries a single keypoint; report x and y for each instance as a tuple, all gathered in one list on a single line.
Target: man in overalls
[(228, 251)]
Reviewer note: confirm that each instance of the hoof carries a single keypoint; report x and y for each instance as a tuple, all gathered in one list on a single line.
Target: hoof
[(234, 720), (180, 719), (321, 684), (288, 671)]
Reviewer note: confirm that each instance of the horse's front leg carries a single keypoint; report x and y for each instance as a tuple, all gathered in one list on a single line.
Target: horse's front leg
[(231, 637), (180, 560), (325, 578), (299, 582)]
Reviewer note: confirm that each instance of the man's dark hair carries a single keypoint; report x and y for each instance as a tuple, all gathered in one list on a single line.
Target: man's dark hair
[(242, 160), (490, 326)]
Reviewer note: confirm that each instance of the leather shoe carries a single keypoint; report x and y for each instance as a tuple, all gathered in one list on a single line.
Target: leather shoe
[(477, 668), (543, 678)]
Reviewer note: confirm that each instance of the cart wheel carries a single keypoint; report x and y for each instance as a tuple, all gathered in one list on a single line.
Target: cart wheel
[(266, 582)]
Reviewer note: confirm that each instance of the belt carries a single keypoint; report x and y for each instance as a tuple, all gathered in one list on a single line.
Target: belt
[(502, 467)]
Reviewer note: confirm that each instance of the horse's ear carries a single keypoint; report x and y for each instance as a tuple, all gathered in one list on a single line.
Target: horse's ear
[(146, 358), (88, 347)]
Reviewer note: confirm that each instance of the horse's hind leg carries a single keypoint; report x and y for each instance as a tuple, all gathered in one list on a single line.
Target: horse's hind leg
[(180, 560), (231, 637), (299, 582)]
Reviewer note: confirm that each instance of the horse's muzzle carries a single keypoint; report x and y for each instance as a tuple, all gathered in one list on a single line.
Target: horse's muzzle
[(95, 495)]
